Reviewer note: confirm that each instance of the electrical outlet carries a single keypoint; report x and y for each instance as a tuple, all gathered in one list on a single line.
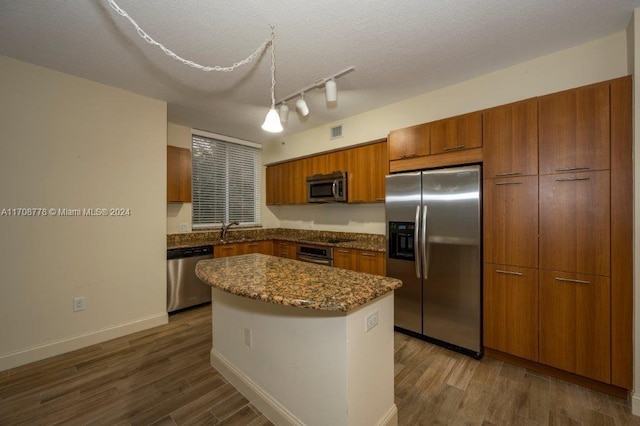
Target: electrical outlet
[(78, 304), (247, 337), (184, 227), (371, 321)]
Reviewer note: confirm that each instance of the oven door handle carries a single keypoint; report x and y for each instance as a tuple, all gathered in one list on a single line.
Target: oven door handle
[(334, 191), (303, 258)]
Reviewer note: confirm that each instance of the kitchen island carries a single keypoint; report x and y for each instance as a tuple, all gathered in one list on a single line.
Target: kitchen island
[(306, 344)]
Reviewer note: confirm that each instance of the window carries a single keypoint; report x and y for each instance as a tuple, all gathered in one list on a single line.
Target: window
[(226, 181)]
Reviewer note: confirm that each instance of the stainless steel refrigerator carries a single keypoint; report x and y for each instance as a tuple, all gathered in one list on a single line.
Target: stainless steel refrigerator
[(434, 247)]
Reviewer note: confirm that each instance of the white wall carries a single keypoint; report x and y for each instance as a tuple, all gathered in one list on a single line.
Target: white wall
[(599, 60), (178, 213), (72, 143)]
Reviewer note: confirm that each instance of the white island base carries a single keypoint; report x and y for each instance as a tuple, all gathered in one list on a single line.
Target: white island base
[(304, 366)]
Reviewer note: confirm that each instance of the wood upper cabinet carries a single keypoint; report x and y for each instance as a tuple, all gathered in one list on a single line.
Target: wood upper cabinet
[(510, 140), (285, 182), (323, 164), (456, 133), (178, 175), (366, 171), (511, 310), (511, 221), (575, 324), (370, 262), (409, 142), (344, 258), (574, 130), (575, 222)]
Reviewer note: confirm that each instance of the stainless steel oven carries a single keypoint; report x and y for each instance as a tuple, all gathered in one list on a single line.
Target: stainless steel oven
[(327, 188), (315, 254)]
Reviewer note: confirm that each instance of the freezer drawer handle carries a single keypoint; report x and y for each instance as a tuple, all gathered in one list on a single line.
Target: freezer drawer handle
[(508, 183), (509, 174), (451, 148), (416, 238), (572, 281), (500, 271), (572, 169), (571, 179)]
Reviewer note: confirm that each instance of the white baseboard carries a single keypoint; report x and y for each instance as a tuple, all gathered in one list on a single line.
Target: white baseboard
[(391, 418), (57, 347), (635, 404), (269, 406)]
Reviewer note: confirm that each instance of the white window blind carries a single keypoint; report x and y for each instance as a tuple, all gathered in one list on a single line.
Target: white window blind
[(226, 182)]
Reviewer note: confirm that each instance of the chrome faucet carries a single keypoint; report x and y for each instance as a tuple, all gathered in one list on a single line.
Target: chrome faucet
[(225, 228)]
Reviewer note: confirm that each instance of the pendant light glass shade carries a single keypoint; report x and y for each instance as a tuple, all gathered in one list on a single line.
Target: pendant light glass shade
[(302, 107), (284, 113), (272, 122), (331, 90)]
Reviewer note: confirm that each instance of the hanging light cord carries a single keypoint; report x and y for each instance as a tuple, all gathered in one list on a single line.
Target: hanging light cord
[(273, 69), (205, 68)]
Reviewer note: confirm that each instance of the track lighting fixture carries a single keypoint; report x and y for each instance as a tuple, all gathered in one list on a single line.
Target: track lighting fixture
[(284, 112), (301, 106), (331, 90)]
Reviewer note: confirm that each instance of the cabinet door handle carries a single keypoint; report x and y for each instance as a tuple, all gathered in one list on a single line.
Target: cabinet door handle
[(451, 148), (509, 174), (408, 156), (508, 183), (368, 254), (572, 281), (571, 179), (572, 169), (252, 244), (500, 271), (343, 251), (380, 199)]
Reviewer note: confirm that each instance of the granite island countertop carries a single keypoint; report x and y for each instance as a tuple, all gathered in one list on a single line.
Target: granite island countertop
[(293, 283)]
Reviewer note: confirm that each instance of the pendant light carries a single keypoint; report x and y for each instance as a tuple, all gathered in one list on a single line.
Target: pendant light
[(272, 122)]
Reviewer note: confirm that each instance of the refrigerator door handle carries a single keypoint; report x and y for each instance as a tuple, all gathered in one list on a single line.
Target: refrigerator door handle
[(424, 243), (416, 239)]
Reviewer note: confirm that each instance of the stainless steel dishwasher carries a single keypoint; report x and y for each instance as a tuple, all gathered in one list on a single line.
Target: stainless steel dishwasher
[(184, 288)]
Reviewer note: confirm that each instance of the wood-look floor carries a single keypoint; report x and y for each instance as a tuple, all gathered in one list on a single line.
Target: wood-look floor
[(162, 376)]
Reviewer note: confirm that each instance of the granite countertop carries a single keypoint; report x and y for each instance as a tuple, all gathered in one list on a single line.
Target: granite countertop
[(370, 242), (292, 283)]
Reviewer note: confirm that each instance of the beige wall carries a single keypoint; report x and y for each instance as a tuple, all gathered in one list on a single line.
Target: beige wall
[(178, 213), (72, 143), (598, 60)]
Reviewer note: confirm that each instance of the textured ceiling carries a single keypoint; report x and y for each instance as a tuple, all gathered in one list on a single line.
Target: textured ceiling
[(399, 48)]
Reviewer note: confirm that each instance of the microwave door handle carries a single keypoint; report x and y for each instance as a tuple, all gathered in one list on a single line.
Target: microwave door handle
[(333, 189), (416, 239)]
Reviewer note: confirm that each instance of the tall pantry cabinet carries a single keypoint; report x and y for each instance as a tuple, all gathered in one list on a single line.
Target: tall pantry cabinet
[(558, 220)]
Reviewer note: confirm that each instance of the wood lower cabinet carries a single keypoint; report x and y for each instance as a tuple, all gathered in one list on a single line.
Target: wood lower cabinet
[(510, 140), (370, 262), (344, 258), (235, 249), (511, 221), (366, 171), (227, 250), (409, 142), (178, 175), (285, 249), (510, 310), (575, 323), (575, 227), (456, 133), (574, 128)]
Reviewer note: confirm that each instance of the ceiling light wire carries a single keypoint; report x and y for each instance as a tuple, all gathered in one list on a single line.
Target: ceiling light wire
[(192, 64)]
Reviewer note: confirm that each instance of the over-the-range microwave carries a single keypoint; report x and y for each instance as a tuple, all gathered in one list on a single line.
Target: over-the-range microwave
[(327, 188)]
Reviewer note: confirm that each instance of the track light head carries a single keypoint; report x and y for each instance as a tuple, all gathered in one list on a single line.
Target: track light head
[(284, 112), (301, 106), (331, 90)]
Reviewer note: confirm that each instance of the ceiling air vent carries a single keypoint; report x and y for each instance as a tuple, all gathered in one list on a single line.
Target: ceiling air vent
[(336, 132)]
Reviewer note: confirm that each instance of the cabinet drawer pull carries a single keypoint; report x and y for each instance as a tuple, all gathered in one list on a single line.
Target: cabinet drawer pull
[(451, 148), (368, 254), (572, 169), (572, 281), (500, 271), (508, 183), (408, 156), (380, 199), (343, 251), (509, 174), (571, 179), (252, 244)]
